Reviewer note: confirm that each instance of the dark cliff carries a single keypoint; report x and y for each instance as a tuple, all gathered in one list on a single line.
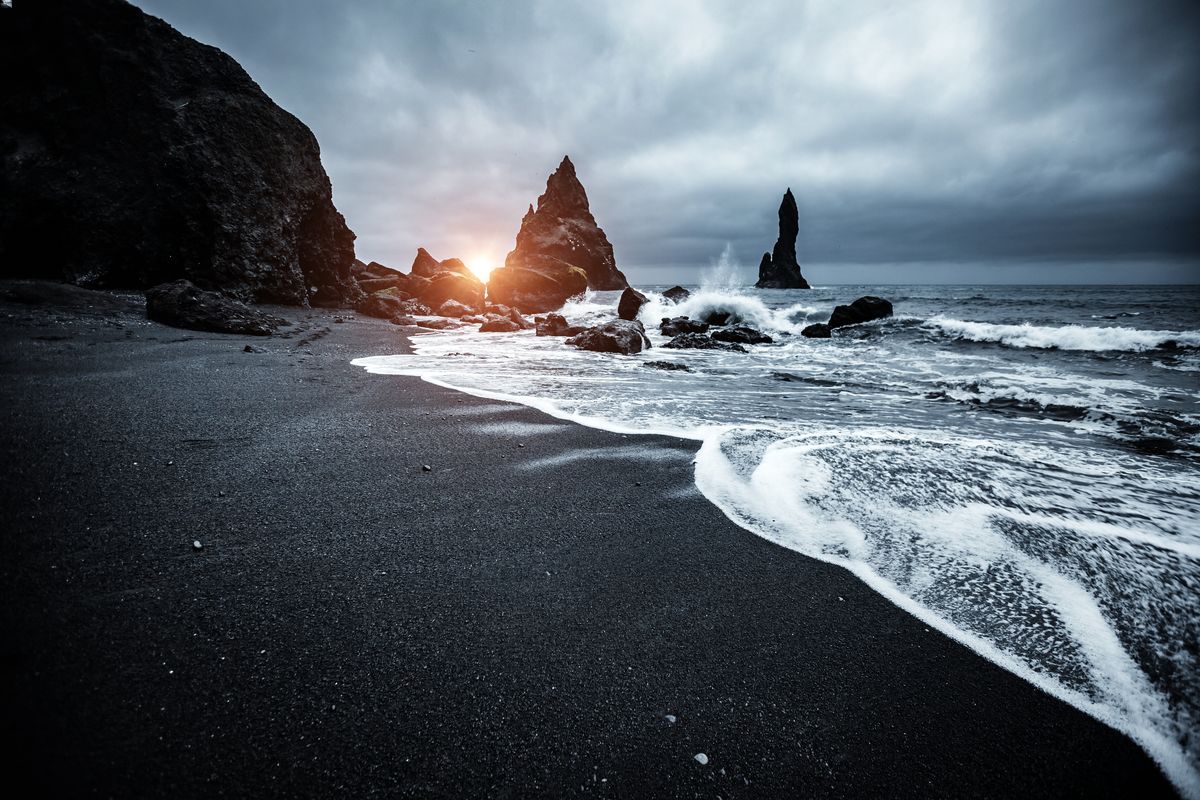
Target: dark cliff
[(131, 155)]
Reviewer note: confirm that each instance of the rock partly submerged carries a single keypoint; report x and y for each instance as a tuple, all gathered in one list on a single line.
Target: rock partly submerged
[(142, 156), (700, 341), (677, 325), (864, 309), (676, 294), (618, 336), (631, 303), (181, 304), (779, 269), (560, 251), (556, 325), (741, 334)]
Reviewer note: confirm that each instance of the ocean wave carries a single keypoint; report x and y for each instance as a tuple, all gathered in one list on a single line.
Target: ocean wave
[(1065, 337), (741, 308)]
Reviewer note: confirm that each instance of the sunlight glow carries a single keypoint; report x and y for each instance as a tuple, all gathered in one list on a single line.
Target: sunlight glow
[(482, 266)]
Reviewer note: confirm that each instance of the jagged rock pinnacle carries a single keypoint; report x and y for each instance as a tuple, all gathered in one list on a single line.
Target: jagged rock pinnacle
[(779, 268)]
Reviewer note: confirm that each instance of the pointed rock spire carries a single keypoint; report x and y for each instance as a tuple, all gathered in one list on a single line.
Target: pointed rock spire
[(779, 268), (560, 250)]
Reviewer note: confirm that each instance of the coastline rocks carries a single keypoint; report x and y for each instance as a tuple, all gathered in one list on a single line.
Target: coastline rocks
[(181, 305), (678, 325), (453, 308), (864, 309), (741, 334), (383, 306), (424, 265), (534, 291), (415, 307), (699, 341), (437, 324), (402, 319), (140, 156), (779, 268), (817, 331), (676, 294), (465, 289), (668, 366), (619, 336), (554, 241), (717, 317), (499, 325), (556, 325), (631, 303)]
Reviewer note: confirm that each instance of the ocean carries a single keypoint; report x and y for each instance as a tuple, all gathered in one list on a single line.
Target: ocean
[(1019, 467)]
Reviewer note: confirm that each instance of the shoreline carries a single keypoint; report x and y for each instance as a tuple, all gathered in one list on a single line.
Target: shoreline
[(356, 624)]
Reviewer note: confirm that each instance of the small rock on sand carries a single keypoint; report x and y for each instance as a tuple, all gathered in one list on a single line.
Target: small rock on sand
[(701, 758)]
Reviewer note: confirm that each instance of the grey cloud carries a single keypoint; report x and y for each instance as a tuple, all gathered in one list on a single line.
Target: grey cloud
[(1025, 132)]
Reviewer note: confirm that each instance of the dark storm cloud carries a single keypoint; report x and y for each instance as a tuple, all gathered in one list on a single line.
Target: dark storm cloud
[(916, 132)]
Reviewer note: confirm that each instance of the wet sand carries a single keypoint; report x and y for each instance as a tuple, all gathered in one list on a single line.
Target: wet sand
[(519, 620)]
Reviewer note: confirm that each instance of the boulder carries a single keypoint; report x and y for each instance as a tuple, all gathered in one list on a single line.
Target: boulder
[(377, 270), (465, 289), (717, 317), (678, 325), (699, 341), (383, 306), (741, 334), (619, 336), (415, 307), (499, 325), (817, 331), (424, 265), (522, 323), (668, 366), (677, 294), (403, 319), (536, 290), (181, 305), (556, 325), (140, 156), (436, 324), (453, 308), (864, 309), (779, 268), (631, 303)]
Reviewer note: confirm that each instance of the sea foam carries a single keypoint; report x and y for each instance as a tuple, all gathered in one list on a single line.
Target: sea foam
[(1065, 337)]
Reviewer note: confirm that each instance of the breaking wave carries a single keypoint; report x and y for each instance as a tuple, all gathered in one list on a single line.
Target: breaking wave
[(1065, 337)]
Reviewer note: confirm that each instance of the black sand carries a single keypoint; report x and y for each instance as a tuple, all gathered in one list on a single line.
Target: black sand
[(501, 625)]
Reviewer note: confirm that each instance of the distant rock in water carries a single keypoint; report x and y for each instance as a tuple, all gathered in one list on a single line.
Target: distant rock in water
[(864, 309), (132, 155), (556, 325), (619, 336), (677, 294), (560, 250), (779, 268), (181, 305), (631, 303)]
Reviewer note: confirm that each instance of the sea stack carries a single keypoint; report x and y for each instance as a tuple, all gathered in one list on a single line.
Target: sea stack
[(131, 155), (779, 268), (560, 250)]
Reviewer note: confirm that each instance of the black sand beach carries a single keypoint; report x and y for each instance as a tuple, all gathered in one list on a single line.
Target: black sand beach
[(518, 621)]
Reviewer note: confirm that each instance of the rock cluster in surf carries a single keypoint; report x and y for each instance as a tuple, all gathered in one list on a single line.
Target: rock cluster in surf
[(779, 268), (133, 155), (560, 250)]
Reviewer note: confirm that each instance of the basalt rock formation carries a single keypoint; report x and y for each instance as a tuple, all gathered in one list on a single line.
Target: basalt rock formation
[(132, 155), (630, 304), (864, 309), (779, 268), (560, 250)]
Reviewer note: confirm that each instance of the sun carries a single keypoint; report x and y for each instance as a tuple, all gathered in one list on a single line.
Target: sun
[(482, 266)]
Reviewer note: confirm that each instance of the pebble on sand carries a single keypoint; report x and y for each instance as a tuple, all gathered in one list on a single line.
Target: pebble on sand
[(426, 468), (701, 758), (197, 546)]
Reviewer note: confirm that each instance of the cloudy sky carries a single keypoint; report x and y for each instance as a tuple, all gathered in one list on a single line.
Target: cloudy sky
[(1026, 140)]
